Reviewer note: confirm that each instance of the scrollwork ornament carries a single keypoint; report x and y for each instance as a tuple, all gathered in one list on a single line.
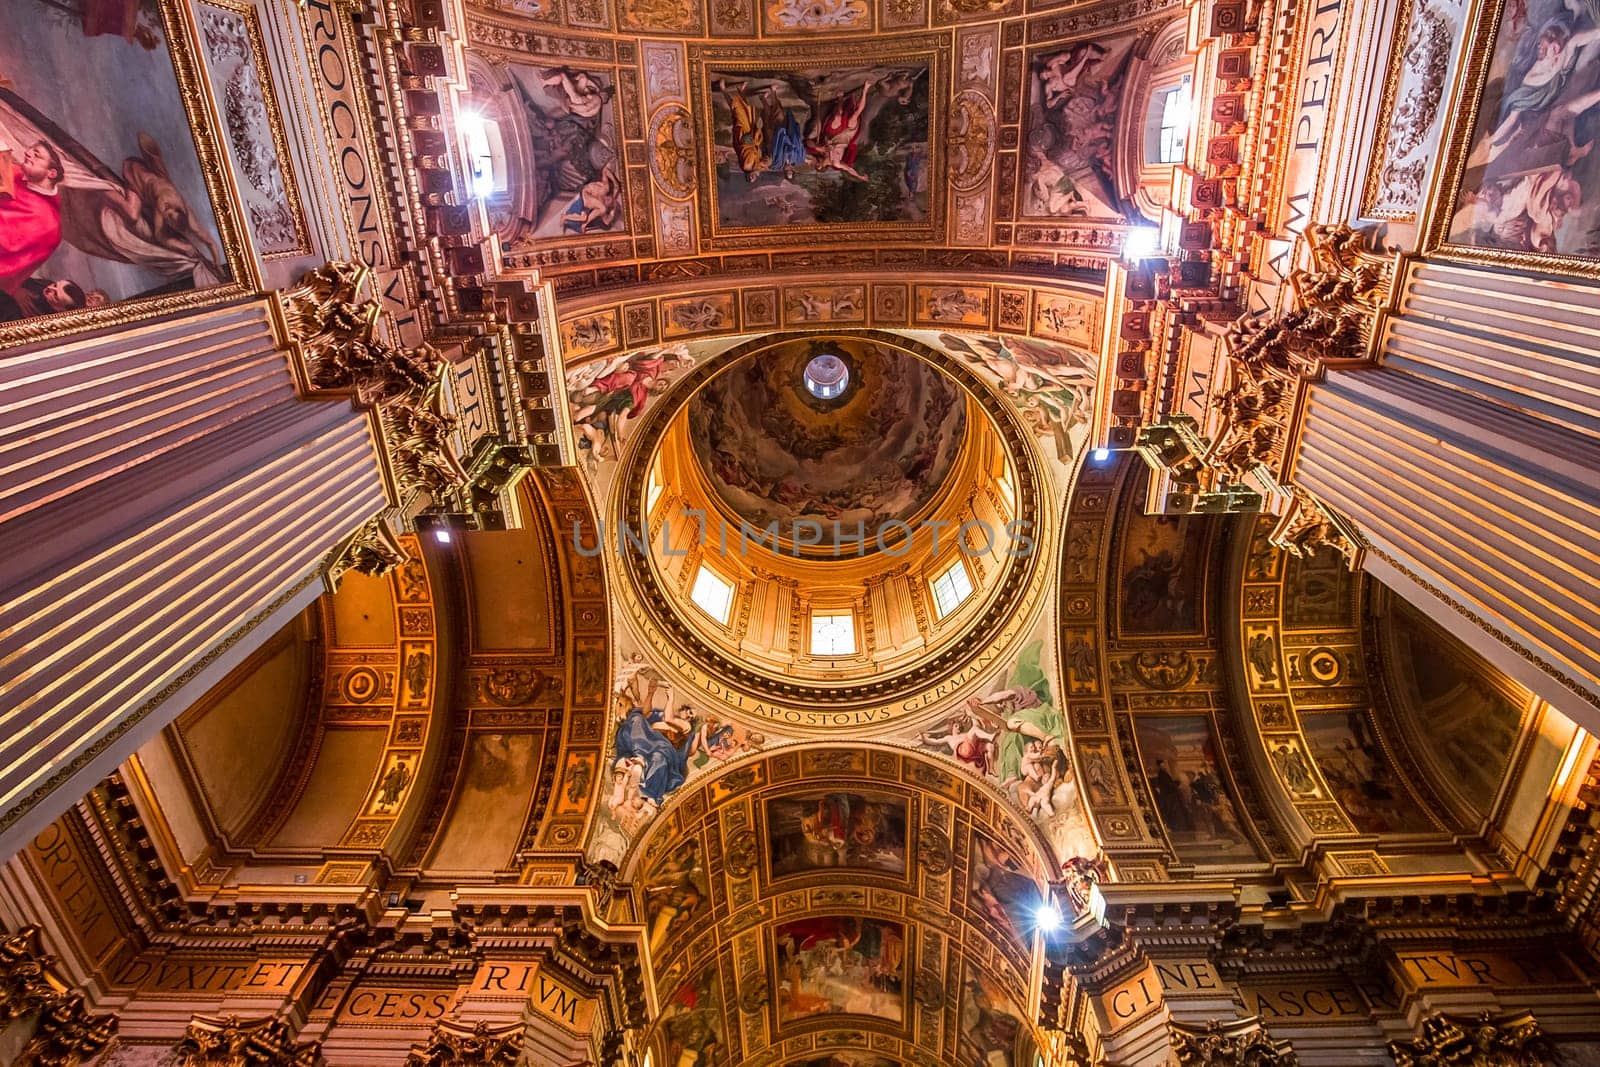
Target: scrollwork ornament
[(1482, 1040), (1240, 1043), (417, 431), (461, 1044)]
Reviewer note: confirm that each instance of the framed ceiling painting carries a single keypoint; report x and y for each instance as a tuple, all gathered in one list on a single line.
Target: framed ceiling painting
[(1521, 180), (114, 201), (822, 151)]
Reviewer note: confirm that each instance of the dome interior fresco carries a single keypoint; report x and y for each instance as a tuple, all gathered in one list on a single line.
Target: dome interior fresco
[(771, 451)]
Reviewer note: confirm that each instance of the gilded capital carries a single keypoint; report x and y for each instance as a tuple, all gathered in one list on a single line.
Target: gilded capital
[(228, 1041), (461, 1044), (1485, 1040), (1237, 1043)]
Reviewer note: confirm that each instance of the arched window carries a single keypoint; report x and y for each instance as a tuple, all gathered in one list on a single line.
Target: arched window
[(485, 153), (1168, 126)]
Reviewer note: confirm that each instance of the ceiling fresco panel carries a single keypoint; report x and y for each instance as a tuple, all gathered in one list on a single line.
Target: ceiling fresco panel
[(845, 149), (1183, 767)]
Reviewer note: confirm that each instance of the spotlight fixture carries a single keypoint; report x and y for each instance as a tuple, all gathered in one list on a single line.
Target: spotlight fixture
[(1100, 455), (1047, 916)]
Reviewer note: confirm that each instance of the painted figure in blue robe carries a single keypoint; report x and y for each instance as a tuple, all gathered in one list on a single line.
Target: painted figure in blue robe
[(788, 145), (649, 737)]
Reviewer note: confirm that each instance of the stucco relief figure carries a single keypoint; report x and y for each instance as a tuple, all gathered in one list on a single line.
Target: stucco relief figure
[(393, 787), (1532, 177), (75, 231), (1075, 99), (820, 145)]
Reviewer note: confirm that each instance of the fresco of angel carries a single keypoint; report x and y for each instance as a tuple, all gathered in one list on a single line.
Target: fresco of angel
[(608, 395)]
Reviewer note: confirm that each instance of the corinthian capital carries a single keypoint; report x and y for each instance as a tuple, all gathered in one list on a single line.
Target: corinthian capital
[(1240, 1043), (462, 1044), (228, 1041)]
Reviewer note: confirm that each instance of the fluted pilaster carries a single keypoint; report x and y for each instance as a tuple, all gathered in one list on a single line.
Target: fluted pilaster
[(1471, 460), (164, 494)]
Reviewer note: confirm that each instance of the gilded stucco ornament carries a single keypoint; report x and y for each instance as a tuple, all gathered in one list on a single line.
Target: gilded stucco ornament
[(331, 332), (374, 550), (460, 1044), (228, 1041), (67, 1034), (1338, 304), (24, 987), (1240, 1043), (1309, 526), (1482, 1040)]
